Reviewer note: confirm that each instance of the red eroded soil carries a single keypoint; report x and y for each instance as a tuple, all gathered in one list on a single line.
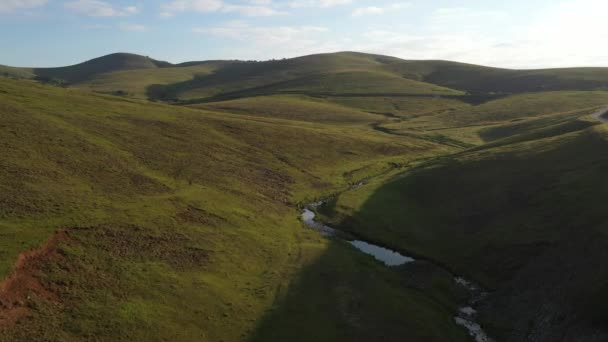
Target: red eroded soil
[(25, 281)]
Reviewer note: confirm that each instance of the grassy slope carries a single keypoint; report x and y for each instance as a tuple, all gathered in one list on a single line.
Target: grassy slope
[(532, 214), (293, 107), (180, 224), (92, 68), (364, 82), (136, 82), (326, 72), (475, 78), (402, 107), (334, 73), (524, 106), (504, 117), (8, 71), (510, 230)]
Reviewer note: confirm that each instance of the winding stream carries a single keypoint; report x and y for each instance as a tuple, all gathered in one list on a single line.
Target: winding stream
[(466, 316)]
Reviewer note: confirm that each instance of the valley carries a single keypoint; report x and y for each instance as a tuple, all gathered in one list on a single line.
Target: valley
[(144, 200)]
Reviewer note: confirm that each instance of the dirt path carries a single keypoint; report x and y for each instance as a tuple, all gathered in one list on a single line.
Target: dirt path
[(25, 283)]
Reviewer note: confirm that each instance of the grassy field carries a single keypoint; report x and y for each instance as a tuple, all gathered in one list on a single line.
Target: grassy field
[(179, 224)]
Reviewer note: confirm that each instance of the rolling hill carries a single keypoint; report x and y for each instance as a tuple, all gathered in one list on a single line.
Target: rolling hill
[(530, 216), (144, 77), (166, 222), (177, 218), (481, 79), (90, 69)]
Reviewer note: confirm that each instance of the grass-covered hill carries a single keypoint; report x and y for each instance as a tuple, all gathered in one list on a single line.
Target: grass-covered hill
[(137, 82), (524, 215), (95, 67), (119, 73), (294, 107), (338, 74), (152, 222), (481, 79)]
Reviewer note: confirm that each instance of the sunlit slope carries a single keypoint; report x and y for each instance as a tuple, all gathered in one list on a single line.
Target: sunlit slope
[(180, 224), (402, 107), (291, 107), (525, 106), (360, 83), (505, 117), (13, 72), (136, 83)]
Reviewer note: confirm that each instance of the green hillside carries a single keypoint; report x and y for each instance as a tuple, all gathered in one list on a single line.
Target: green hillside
[(293, 107), (481, 79), (522, 215), (175, 223), (511, 115), (142, 200), (340, 73), (7, 71), (336, 73), (110, 63), (135, 83)]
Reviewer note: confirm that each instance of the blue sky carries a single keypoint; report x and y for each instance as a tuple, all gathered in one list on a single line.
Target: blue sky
[(515, 33)]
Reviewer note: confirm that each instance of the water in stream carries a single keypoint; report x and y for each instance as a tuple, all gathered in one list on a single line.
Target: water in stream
[(466, 315)]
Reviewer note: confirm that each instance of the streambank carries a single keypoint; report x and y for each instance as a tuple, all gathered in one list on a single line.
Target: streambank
[(466, 315)]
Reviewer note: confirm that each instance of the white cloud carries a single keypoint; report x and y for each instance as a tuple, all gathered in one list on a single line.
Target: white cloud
[(461, 18), (265, 35), (369, 10), (262, 42), (192, 5), (319, 3), (252, 11), (251, 8), (15, 5), (96, 8), (568, 33), (126, 27)]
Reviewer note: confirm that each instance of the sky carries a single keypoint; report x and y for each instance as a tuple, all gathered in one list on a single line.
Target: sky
[(510, 33)]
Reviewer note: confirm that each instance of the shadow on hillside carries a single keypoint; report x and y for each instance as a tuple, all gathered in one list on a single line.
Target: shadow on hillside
[(528, 222), (346, 296)]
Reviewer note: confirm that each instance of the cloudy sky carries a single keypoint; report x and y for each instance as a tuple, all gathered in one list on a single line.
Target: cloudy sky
[(513, 34)]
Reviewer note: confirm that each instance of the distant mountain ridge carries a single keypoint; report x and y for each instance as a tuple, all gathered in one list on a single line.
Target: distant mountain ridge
[(332, 73)]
